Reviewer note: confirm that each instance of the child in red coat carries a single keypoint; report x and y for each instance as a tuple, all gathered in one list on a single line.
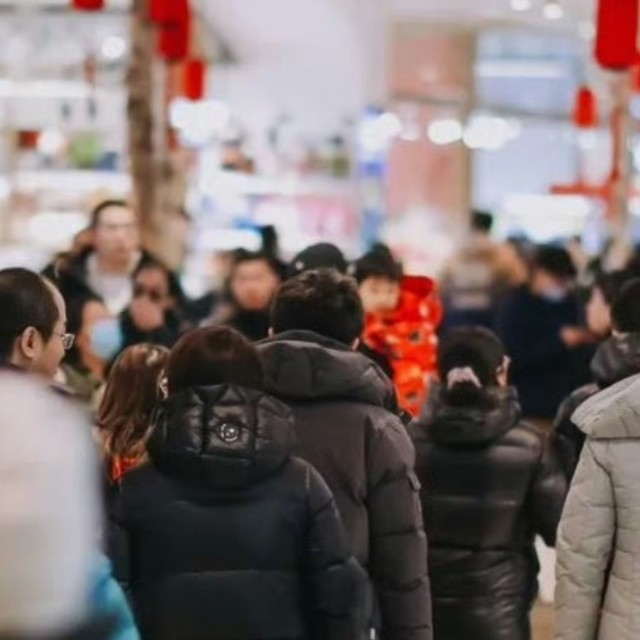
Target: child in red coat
[(403, 314)]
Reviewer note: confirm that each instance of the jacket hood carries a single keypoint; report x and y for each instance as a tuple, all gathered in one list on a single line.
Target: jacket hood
[(221, 436), (616, 359), (302, 365), (613, 413), (467, 425)]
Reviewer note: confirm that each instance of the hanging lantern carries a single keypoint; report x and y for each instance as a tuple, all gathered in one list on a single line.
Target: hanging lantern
[(585, 112), (617, 34), (169, 11), (87, 5), (194, 79), (174, 40)]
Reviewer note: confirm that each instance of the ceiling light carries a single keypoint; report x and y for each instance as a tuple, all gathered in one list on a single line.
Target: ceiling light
[(553, 10), (113, 48), (489, 133), (446, 131), (521, 5)]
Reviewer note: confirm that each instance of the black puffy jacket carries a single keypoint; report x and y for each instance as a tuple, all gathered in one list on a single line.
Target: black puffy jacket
[(345, 427), (616, 359), (490, 484), (225, 536)]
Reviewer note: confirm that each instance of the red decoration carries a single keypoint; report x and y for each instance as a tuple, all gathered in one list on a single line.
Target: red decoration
[(194, 79), (585, 113), (28, 139), (174, 40), (169, 11), (617, 34), (87, 5)]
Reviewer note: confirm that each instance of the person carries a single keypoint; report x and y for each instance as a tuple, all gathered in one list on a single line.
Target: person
[(105, 269), (490, 485), (33, 319), (253, 283), (325, 255), (541, 329), (345, 426), (616, 358), (597, 549), (226, 534), (477, 277), (155, 312), (83, 369), (403, 315), (124, 417)]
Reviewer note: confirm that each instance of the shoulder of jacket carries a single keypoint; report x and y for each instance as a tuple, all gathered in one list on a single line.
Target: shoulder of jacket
[(525, 435)]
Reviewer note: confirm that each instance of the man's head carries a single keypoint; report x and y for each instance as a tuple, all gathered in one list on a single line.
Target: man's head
[(33, 321), (153, 281), (254, 281), (481, 222), (553, 273), (625, 311), (379, 278), (318, 256), (321, 301), (116, 235)]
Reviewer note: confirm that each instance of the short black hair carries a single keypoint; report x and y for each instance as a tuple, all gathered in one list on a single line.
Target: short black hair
[(323, 301), (481, 221), (26, 300), (242, 256), (555, 261), (625, 311), (211, 356), (97, 211), (378, 263)]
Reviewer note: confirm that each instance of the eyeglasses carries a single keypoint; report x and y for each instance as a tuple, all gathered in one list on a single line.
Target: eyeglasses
[(67, 340)]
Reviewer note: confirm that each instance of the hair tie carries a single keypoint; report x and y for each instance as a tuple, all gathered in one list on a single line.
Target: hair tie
[(461, 375)]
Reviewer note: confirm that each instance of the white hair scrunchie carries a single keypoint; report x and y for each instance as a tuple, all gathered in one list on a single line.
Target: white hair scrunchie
[(460, 375)]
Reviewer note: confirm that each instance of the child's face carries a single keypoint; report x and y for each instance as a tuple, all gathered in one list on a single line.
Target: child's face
[(379, 294)]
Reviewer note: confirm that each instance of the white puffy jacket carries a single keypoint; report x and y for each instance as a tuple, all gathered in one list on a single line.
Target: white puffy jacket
[(598, 589)]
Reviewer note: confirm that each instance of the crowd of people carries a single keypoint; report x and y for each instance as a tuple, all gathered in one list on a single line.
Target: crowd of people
[(317, 449)]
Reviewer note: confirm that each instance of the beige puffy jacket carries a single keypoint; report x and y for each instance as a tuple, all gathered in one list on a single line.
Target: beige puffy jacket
[(598, 590)]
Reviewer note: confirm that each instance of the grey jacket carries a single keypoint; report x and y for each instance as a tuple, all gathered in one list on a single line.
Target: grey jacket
[(598, 572)]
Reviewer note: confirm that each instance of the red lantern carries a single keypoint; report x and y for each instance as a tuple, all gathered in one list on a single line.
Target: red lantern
[(169, 11), (174, 40), (585, 112), (617, 34), (194, 79), (87, 5)]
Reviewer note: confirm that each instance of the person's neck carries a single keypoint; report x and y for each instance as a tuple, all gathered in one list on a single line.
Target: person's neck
[(115, 266)]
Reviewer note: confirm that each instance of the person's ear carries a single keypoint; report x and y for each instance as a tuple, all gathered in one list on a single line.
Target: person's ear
[(355, 344), (28, 343)]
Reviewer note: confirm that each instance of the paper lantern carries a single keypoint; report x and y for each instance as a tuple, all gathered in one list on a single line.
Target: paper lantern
[(194, 79), (617, 34), (87, 5), (585, 112), (169, 11), (174, 40)]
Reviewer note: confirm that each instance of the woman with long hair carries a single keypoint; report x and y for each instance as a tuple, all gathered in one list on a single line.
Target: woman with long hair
[(132, 393), (490, 485), (223, 533)]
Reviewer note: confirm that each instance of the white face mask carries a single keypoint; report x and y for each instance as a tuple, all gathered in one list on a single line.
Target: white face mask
[(554, 294), (107, 338)]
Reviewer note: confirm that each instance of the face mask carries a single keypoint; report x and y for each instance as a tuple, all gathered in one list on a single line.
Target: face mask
[(106, 338), (554, 294)]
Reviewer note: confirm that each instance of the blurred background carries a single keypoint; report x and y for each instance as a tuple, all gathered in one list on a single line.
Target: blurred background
[(342, 120)]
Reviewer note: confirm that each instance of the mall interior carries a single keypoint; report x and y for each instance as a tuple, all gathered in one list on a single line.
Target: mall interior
[(455, 186)]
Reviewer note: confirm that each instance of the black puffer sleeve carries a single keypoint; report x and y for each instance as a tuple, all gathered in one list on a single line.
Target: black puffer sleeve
[(336, 583), (398, 558)]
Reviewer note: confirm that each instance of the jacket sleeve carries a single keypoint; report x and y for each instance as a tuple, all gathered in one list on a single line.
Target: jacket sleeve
[(567, 440), (336, 583), (398, 553), (584, 548), (107, 599), (118, 541), (547, 495)]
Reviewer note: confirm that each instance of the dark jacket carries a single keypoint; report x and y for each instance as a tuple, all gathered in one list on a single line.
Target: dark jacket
[(251, 324), (489, 485), (616, 359), (342, 404), (544, 370), (225, 535)]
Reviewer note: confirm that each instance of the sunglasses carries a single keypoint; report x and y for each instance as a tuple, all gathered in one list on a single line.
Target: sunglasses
[(152, 294)]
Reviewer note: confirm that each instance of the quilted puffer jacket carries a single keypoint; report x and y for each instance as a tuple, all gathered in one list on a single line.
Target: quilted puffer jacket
[(226, 536), (598, 588)]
